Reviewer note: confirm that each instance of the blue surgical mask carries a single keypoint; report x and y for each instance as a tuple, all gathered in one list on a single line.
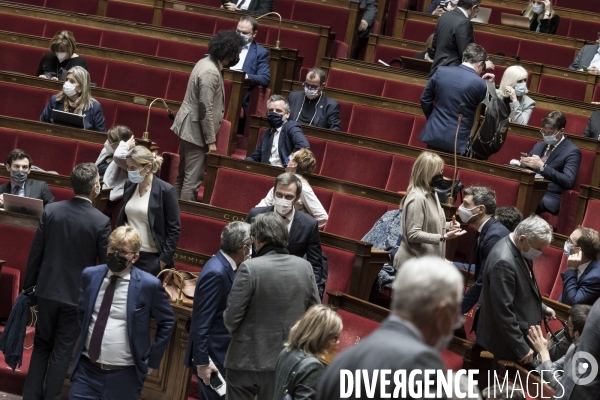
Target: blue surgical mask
[(520, 89), (551, 140), (275, 120), (245, 37), (135, 176), (538, 8), (567, 249)]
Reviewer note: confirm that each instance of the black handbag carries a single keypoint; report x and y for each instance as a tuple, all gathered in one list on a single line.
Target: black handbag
[(443, 192)]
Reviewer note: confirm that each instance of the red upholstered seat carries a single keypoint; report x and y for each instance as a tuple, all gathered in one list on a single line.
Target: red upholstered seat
[(355, 83), (124, 41), (9, 290), (417, 30), (546, 53), (357, 165), (15, 248), (254, 187), (20, 58), (507, 191), (586, 30), (87, 152), (325, 196), (109, 110), (591, 218), (381, 124), (194, 227), (223, 137), (323, 14), (177, 85), (49, 153), (546, 268), (61, 194), (564, 26), (138, 79), (537, 115), (130, 11), (79, 6), (495, 43), (227, 87), (402, 91), (562, 87), (82, 33), (341, 264), (97, 70), (18, 24), (558, 284), (355, 329), (452, 361), (512, 148), (159, 130), (345, 115), (317, 146), (388, 53), (495, 17), (399, 173), (576, 123), (584, 5), (363, 213), (8, 142), (169, 169), (416, 132), (306, 43), (225, 24), (188, 21), (181, 51), (284, 8), (584, 176)]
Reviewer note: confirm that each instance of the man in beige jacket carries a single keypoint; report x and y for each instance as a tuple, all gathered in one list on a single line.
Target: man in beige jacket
[(202, 111)]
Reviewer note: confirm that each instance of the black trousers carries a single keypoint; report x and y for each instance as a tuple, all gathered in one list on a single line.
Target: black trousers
[(149, 262), (92, 383), (56, 332)]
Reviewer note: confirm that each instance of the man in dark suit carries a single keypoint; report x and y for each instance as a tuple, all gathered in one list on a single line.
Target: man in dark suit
[(592, 130), (258, 7), (302, 228), (369, 9), (71, 236), (114, 353), (284, 137), (254, 59), (510, 300), (453, 33), (441, 101), (311, 107), (581, 280), (18, 165), (425, 310), (478, 208), (586, 55), (556, 159), (209, 339), (269, 294)]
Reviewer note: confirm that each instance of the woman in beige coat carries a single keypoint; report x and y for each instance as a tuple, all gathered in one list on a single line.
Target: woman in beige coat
[(424, 228)]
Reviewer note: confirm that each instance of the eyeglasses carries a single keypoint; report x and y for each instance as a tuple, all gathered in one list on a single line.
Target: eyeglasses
[(549, 133), (312, 87), (121, 252), (134, 168)]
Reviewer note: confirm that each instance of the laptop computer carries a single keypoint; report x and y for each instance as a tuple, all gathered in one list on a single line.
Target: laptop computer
[(23, 205), (67, 118), (483, 16), (515, 21)]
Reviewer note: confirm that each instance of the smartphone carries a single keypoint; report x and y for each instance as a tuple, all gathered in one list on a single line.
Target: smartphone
[(524, 154), (215, 381)]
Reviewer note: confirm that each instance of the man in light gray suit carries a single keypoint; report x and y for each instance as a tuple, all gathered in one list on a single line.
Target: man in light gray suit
[(269, 294), (202, 111), (585, 57)]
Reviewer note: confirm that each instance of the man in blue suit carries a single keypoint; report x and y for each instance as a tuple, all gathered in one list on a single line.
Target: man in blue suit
[(284, 138), (209, 339), (446, 91), (116, 303), (254, 59), (556, 159), (581, 280)]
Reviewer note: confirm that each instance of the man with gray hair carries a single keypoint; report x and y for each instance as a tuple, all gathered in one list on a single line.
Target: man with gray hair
[(269, 294), (510, 300), (284, 138), (209, 338), (425, 311)]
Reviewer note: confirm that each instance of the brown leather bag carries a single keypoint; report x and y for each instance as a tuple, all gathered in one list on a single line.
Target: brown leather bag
[(180, 286)]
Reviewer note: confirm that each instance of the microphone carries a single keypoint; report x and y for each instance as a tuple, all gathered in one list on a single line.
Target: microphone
[(278, 29), (169, 113), (461, 112)]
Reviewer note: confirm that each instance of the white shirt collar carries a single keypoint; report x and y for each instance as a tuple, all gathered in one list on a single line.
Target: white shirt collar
[(84, 198), (469, 65), (463, 11), (125, 276), (231, 262)]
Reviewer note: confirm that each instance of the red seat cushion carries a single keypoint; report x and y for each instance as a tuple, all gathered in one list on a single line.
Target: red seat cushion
[(15, 248), (79, 6), (9, 290), (591, 218), (188, 21), (254, 187), (584, 5), (584, 176), (181, 51), (416, 132), (20, 58), (177, 85), (61, 194), (546, 53), (109, 109), (399, 174), (558, 284), (512, 148), (87, 152), (417, 30), (381, 124), (507, 191), (493, 43), (130, 11), (546, 268), (562, 87), (82, 33), (341, 264), (586, 30), (368, 167), (364, 214), (402, 91), (223, 24), (8, 142), (306, 43), (223, 137), (138, 79), (355, 83), (49, 153), (19, 24), (124, 41), (317, 146), (452, 361), (355, 329), (284, 8), (324, 196), (323, 14), (345, 115), (195, 226)]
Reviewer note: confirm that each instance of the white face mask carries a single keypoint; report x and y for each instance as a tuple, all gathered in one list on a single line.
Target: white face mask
[(455, 2), (532, 253), (282, 206), (62, 56), (466, 214), (108, 147), (69, 89), (311, 93)]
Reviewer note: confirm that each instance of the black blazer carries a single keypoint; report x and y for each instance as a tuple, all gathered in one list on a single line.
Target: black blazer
[(453, 33), (291, 139), (34, 189), (71, 236), (585, 56), (546, 25), (327, 113), (510, 303), (260, 7), (304, 240), (163, 216), (491, 233), (592, 130)]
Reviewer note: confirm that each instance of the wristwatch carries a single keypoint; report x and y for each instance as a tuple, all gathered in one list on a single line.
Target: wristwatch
[(442, 238)]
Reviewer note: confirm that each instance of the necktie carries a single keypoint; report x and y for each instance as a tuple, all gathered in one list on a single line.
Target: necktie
[(241, 3), (16, 190), (101, 320), (547, 153)]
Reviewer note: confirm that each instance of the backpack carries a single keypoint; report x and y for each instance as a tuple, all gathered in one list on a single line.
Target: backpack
[(491, 134)]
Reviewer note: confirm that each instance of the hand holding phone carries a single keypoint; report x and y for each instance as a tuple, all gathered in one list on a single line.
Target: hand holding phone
[(215, 381), (524, 154)]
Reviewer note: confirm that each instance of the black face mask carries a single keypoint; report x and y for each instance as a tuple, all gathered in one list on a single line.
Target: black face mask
[(116, 263), (437, 181)]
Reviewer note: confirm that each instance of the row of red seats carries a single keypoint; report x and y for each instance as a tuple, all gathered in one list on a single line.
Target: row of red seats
[(583, 5)]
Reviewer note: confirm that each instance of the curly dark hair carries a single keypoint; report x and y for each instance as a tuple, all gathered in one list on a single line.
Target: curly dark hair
[(225, 44)]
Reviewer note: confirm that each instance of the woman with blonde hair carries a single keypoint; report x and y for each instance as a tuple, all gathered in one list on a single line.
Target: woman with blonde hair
[(542, 17), (513, 87), (151, 206), (302, 162), (298, 368), (76, 97), (62, 57), (424, 228)]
